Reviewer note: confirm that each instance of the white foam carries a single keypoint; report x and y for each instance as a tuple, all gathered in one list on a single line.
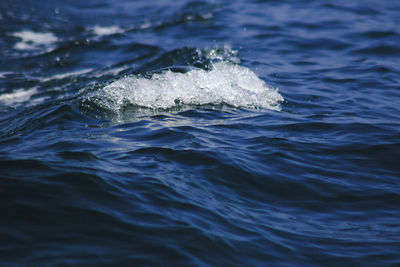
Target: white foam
[(18, 96), (226, 83), (5, 73), (145, 25), (32, 40), (66, 75), (102, 31)]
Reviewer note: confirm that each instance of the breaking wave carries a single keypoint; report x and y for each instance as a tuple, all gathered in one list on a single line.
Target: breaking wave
[(219, 81)]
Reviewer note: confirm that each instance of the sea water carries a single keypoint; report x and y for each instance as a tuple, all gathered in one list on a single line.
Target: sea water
[(199, 133)]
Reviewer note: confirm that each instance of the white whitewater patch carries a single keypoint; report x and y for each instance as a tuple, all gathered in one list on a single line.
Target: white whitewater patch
[(18, 96), (33, 40), (226, 83), (103, 31)]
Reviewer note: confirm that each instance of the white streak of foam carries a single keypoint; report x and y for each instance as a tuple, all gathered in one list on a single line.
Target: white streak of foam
[(32, 40), (113, 71), (102, 31), (5, 74), (66, 75), (18, 96), (226, 83), (145, 25)]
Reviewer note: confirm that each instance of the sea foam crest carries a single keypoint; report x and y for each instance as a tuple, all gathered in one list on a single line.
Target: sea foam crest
[(225, 82), (32, 40)]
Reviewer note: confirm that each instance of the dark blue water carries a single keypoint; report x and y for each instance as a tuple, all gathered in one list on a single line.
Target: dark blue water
[(200, 133)]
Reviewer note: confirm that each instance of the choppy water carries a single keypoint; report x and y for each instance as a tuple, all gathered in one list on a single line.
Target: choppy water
[(240, 133)]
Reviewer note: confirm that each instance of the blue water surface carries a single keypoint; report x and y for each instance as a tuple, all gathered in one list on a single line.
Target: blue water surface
[(200, 133)]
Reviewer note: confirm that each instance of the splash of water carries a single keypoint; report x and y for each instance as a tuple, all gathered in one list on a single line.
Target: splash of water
[(225, 82)]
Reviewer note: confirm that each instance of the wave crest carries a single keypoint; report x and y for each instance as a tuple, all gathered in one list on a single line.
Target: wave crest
[(223, 82)]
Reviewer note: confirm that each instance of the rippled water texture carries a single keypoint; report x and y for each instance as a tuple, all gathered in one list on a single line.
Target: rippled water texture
[(200, 133)]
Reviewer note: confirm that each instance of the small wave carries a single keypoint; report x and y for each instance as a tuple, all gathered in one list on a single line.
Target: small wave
[(224, 82), (33, 40)]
